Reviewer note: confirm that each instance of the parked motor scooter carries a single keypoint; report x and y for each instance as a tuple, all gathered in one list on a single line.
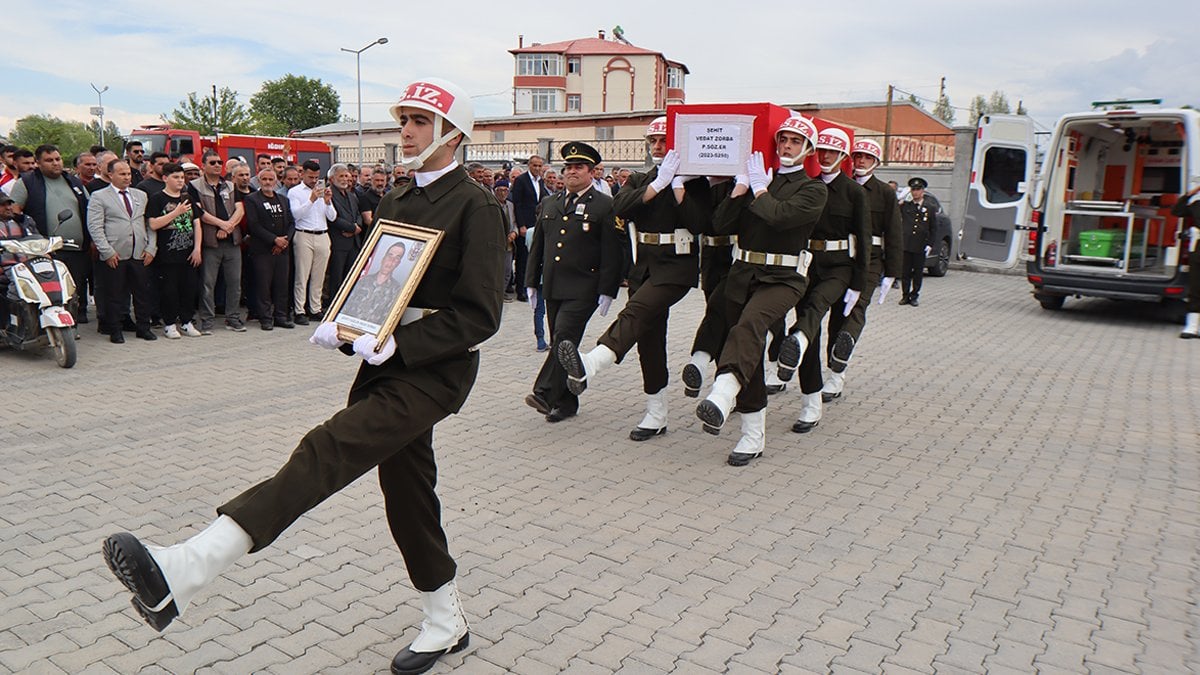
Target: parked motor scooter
[(39, 289)]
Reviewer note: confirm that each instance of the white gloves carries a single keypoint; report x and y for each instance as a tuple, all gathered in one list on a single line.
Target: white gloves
[(604, 302), (666, 171), (757, 173), (365, 345), (927, 250), (532, 293), (326, 336), (678, 181), (1193, 237), (850, 299), (741, 179), (884, 286)]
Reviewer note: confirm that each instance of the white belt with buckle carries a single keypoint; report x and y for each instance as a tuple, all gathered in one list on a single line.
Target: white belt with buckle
[(876, 240), (797, 262), (829, 245), (655, 238), (727, 240)]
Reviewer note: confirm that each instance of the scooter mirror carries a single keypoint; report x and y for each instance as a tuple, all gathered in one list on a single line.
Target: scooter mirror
[(64, 216)]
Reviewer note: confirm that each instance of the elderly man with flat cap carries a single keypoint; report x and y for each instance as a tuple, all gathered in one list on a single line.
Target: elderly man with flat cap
[(576, 259), (919, 223)]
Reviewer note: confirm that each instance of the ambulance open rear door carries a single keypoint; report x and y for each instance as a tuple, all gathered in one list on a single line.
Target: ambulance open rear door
[(1001, 167)]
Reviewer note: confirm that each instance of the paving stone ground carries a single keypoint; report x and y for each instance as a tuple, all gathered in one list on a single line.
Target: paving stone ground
[(1001, 489)]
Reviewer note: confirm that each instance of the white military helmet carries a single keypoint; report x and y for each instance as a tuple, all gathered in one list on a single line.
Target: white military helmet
[(658, 127), (833, 139), (801, 126), (869, 147), (448, 102)]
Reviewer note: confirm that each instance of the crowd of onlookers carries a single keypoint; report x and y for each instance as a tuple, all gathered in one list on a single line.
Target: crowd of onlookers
[(180, 242)]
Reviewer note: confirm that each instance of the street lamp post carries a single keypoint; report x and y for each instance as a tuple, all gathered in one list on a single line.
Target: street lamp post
[(99, 109), (358, 76)]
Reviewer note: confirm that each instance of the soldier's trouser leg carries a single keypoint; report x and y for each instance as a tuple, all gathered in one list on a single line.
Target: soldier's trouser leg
[(408, 480), (391, 422), (1193, 302), (913, 269), (643, 321), (711, 333), (568, 319), (714, 267), (824, 289), (742, 354), (854, 323), (810, 366)]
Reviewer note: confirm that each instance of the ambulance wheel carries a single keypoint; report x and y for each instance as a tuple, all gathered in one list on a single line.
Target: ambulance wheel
[(62, 340), (1051, 302)]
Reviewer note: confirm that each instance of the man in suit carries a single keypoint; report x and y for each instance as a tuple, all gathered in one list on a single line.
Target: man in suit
[(527, 190), (919, 217), (116, 220), (576, 260), (345, 230)]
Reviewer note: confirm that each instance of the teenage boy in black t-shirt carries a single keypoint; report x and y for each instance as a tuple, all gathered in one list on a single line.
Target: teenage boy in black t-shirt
[(175, 217)]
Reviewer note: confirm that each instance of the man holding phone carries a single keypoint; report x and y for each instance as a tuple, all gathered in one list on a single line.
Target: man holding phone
[(312, 206)]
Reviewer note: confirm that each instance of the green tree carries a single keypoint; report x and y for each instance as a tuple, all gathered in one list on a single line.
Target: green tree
[(996, 103), (113, 140), (294, 102), (71, 138), (912, 98), (196, 113), (943, 110)]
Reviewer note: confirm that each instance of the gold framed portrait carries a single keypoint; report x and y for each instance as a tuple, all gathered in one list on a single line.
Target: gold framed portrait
[(383, 279)]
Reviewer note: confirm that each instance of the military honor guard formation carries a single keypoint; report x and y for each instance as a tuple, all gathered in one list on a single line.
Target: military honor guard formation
[(762, 244)]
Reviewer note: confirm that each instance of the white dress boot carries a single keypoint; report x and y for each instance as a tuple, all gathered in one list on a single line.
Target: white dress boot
[(771, 377), (714, 410), (1191, 326), (655, 421), (810, 413), (833, 386), (790, 353), (695, 374), (164, 580), (443, 631), (582, 367), (753, 440)]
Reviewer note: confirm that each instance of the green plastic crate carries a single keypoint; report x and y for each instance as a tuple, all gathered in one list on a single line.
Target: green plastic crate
[(1105, 243)]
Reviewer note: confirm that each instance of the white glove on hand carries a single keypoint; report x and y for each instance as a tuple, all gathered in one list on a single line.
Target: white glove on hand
[(927, 250), (532, 293), (326, 336), (365, 345), (757, 173), (666, 171), (678, 181), (1193, 237), (741, 179), (604, 302), (850, 299), (884, 286)]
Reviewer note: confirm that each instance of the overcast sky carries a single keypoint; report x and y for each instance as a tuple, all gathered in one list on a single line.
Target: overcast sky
[(1055, 56)]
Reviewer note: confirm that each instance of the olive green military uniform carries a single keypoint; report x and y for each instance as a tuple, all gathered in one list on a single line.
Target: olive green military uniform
[(663, 272), (575, 258), (393, 407), (716, 257), (779, 222)]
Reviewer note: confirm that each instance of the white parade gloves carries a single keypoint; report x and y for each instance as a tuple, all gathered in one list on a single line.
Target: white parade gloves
[(756, 173), (850, 299), (927, 250), (604, 302), (365, 345), (1193, 237), (885, 285), (326, 336), (532, 294), (666, 171)]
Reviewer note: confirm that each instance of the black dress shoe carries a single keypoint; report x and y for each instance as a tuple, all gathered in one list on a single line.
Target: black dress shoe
[(266, 324), (301, 320), (644, 434), (131, 563), (538, 403), (146, 335), (839, 355), (116, 337), (408, 662), (741, 458), (568, 357), (904, 300), (693, 379), (912, 302), (802, 427), (773, 389), (789, 357), (284, 323), (558, 415), (826, 397)]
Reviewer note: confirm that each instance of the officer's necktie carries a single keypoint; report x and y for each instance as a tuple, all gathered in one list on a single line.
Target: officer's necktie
[(571, 199)]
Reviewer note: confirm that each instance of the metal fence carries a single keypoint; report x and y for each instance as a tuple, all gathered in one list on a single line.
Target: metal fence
[(372, 154), (619, 152)]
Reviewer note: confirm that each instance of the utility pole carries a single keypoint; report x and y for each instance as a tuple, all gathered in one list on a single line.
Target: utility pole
[(887, 125), (99, 109), (214, 88), (358, 78)]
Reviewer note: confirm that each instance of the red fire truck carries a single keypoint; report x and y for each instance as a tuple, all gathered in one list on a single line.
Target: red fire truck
[(190, 144)]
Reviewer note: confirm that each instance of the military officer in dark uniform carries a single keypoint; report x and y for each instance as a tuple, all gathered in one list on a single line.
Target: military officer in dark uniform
[(420, 375), (886, 245), (919, 223), (773, 219), (1189, 206), (576, 259), (841, 253), (669, 210)]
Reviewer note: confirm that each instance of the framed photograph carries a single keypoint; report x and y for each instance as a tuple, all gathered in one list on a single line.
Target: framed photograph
[(383, 279)]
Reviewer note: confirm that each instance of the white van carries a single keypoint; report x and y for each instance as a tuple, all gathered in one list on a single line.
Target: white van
[(1098, 212)]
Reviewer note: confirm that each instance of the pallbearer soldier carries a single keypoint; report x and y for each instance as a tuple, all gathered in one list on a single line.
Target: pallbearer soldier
[(576, 259), (669, 211), (773, 218), (919, 226), (840, 248), (886, 246), (421, 374)]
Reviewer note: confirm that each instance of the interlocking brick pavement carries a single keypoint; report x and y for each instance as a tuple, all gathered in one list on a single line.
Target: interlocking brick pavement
[(1001, 488)]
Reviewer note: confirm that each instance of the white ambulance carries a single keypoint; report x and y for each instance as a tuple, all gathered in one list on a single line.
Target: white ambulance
[(1098, 213)]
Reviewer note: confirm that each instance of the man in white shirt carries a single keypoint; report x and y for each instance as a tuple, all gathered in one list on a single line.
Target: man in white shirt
[(312, 206)]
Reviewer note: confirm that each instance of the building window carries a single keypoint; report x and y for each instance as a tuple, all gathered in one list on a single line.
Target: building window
[(498, 136), (605, 133), (543, 100), (574, 103), (574, 67), (675, 77), (539, 64)]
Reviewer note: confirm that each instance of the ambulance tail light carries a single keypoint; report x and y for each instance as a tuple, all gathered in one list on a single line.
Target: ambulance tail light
[(1174, 291), (1036, 221)]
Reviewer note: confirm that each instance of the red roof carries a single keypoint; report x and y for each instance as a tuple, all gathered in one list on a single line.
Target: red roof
[(583, 47)]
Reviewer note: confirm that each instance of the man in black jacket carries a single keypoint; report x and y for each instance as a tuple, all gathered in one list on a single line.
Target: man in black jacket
[(345, 231), (919, 218), (527, 190), (270, 225)]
